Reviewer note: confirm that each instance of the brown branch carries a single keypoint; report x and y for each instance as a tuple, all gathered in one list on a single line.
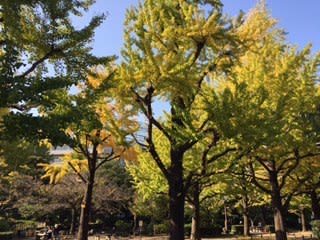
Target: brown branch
[(139, 142), (217, 156), (146, 107), (151, 147), (281, 166), (264, 165), (77, 172), (154, 153), (41, 60), (255, 181), (297, 159), (107, 159)]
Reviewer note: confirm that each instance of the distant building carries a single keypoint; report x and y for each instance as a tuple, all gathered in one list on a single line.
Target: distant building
[(58, 152)]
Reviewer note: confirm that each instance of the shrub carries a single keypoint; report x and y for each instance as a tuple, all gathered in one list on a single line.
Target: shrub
[(315, 226), (162, 228), (122, 227), (236, 229), (187, 229), (6, 235), (4, 225)]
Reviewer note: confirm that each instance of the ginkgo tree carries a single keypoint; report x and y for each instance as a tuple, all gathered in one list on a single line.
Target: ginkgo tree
[(170, 48), (266, 105), (201, 174), (87, 121), (41, 49)]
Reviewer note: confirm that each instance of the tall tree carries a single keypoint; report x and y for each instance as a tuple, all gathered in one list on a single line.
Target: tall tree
[(170, 48), (90, 123), (41, 50), (272, 77)]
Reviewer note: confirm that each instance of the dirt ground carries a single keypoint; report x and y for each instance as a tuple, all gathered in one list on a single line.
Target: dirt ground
[(293, 236)]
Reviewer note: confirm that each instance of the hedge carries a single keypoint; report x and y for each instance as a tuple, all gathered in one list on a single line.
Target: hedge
[(6, 235)]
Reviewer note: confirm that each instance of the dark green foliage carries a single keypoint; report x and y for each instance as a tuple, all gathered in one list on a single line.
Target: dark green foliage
[(187, 229), (237, 229), (162, 228), (4, 225), (123, 228), (6, 235), (315, 226), (42, 55), (36, 34)]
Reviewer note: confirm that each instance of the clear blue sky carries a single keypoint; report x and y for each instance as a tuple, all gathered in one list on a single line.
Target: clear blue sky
[(299, 18)]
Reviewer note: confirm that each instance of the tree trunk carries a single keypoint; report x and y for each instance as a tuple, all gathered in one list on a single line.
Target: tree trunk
[(315, 205), (245, 206), (278, 209), (226, 229), (246, 228), (176, 196), (73, 220), (195, 225), (281, 233), (134, 228), (85, 210), (303, 220)]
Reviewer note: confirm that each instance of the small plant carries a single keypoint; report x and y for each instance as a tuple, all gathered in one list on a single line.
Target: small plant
[(122, 227), (162, 228), (315, 225), (236, 229)]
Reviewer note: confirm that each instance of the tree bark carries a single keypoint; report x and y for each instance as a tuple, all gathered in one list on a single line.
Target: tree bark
[(315, 205), (278, 209), (85, 209), (303, 220), (246, 228), (176, 196), (73, 220), (195, 225)]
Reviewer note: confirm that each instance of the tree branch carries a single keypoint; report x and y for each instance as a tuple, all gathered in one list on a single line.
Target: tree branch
[(77, 172), (41, 60), (262, 162), (255, 181), (297, 159), (107, 159)]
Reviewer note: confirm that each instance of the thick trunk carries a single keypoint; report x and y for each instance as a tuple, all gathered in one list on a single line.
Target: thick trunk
[(195, 225), (176, 196), (315, 205), (303, 220), (246, 228), (278, 209), (281, 233), (85, 210), (73, 221)]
